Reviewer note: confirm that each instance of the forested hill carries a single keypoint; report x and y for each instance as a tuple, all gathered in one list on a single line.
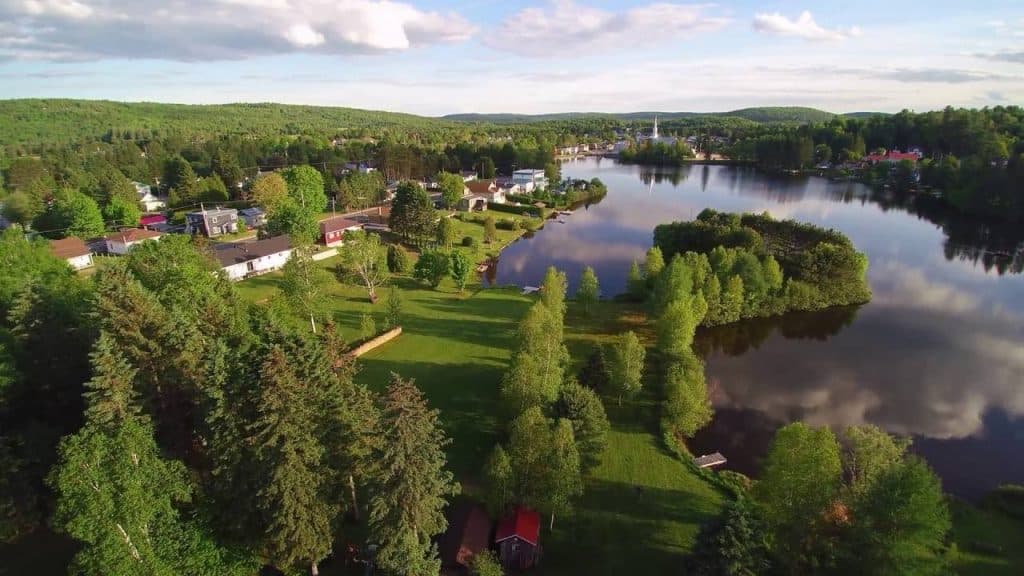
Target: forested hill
[(780, 114), (38, 121)]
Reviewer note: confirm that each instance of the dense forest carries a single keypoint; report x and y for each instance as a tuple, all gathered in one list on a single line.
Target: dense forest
[(973, 158), (752, 265)]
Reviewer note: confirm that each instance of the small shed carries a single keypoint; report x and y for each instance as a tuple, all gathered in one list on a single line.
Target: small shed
[(518, 539), (473, 203), (468, 533)]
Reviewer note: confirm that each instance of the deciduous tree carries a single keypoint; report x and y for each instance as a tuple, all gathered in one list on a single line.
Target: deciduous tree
[(452, 188), (589, 291), (363, 258), (626, 364), (303, 282)]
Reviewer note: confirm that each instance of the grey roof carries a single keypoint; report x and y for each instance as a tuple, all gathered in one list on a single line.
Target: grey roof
[(245, 251)]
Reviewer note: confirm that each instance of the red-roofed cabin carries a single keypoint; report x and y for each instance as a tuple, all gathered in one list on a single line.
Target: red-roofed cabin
[(518, 539), (332, 230)]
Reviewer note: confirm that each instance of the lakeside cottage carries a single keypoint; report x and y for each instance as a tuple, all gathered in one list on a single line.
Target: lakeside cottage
[(487, 189), (121, 242), (212, 223), (245, 259), (74, 251)]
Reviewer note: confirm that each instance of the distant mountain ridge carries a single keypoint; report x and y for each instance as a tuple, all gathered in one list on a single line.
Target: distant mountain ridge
[(38, 121), (764, 114)]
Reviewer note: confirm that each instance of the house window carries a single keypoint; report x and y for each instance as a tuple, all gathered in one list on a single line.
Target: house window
[(249, 266)]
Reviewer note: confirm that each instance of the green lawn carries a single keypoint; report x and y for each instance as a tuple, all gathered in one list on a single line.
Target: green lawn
[(642, 507), (1001, 540)]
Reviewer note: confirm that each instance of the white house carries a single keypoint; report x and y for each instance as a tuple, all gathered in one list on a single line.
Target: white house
[(485, 189), (530, 179), (243, 259), (121, 242), (74, 251), (150, 202)]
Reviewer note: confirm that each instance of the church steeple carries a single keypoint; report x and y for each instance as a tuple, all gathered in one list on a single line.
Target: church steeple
[(654, 134)]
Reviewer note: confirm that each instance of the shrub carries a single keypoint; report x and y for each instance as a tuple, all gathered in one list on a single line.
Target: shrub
[(469, 241), (398, 259), (507, 224)]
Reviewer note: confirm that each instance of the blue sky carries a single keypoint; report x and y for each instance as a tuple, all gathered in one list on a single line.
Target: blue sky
[(443, 56)]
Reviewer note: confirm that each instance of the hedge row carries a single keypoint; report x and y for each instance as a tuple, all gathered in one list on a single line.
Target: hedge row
[(509, 208)]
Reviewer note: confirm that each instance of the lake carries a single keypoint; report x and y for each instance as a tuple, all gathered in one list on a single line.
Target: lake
[(938, 354)]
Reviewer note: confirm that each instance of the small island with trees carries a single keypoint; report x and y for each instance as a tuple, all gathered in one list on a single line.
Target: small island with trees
[(751, 265)]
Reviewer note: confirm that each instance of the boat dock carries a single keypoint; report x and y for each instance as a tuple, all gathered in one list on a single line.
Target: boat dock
[(710, 460)]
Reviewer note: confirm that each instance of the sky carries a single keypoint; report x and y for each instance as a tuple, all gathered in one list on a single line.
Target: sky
[(436, 57)]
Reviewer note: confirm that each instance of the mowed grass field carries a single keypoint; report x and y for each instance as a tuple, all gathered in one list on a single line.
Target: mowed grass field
[(988, 543), (641, 508)]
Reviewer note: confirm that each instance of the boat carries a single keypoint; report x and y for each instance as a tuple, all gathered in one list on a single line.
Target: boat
[(560, 221), (565, 212)]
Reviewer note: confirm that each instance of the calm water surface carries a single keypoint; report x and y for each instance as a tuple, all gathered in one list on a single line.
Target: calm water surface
[(938, 354)]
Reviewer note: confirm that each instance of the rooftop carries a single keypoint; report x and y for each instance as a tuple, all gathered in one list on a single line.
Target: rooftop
[(337, 223), (70, 247), (245, 251), (522, 523), (130, 235)]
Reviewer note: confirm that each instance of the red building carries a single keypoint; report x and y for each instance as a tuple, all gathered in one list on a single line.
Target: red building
[(332, 230), (518, 539), (468, 534)]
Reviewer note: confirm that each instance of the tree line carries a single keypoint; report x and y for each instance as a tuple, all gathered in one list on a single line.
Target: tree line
[(169, 428), (975, 158)]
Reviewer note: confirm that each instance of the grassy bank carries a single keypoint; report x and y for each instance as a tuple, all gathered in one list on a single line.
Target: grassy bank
[(641, 509)]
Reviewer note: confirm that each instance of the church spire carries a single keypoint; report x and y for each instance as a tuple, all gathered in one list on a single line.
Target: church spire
[(654, 135)]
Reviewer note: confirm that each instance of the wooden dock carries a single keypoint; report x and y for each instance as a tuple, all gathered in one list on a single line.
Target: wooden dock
[(710, 460)]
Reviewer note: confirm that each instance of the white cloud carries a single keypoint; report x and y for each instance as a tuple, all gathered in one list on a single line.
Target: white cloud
[(565, 28), (219, 29), (60, 8), (803, 27)]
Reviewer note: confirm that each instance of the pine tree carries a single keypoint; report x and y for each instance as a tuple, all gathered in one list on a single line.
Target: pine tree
[(410, 481), (110, 395), (297, 520), (590, 426), (393, 308)]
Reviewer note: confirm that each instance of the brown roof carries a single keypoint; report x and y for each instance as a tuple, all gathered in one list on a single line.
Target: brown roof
[(70, 247), (130, 235), (245, 251), (468, 533), (337, 223), (480, 186)]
